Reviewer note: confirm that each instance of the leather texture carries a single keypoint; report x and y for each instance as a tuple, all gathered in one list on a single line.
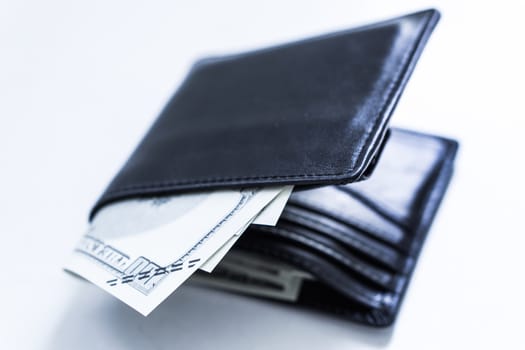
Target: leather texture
[(361, 241), (312, 112)]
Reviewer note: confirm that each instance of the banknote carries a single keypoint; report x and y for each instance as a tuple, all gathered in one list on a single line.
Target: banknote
[(141, 251), (250, 274), (272, 212), (268, 216)]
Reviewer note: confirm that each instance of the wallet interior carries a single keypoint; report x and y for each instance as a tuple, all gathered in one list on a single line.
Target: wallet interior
[(361, 241)]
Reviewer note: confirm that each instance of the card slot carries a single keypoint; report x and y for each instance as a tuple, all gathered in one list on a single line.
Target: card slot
[(325, 246), (380, 209), (400, 179), (346, 282), (327, 299), (368, 270), (366, 247), (332, 203)]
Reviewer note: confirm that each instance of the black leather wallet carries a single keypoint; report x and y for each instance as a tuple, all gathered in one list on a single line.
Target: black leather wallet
[(312, 114)]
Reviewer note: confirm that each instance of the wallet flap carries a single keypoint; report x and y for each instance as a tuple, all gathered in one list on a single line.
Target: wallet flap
[(309, 112)]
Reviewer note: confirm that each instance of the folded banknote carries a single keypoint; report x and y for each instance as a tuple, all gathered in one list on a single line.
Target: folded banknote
[(142, 250)]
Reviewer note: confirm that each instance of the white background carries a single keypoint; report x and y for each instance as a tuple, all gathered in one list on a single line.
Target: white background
[(81, 81)]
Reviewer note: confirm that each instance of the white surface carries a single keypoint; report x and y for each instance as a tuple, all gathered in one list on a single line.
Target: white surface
[(80, 82)]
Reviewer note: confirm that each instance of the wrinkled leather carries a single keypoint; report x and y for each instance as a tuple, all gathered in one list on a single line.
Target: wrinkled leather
[(360, 241), (308, 112)]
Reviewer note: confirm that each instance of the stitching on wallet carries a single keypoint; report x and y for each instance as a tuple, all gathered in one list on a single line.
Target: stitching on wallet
[(169, 183), (389, 95)]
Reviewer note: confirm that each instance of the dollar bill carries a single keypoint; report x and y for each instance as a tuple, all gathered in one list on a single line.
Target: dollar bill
[(268, 216), (272, 212), (141, 251), (254, 275)]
